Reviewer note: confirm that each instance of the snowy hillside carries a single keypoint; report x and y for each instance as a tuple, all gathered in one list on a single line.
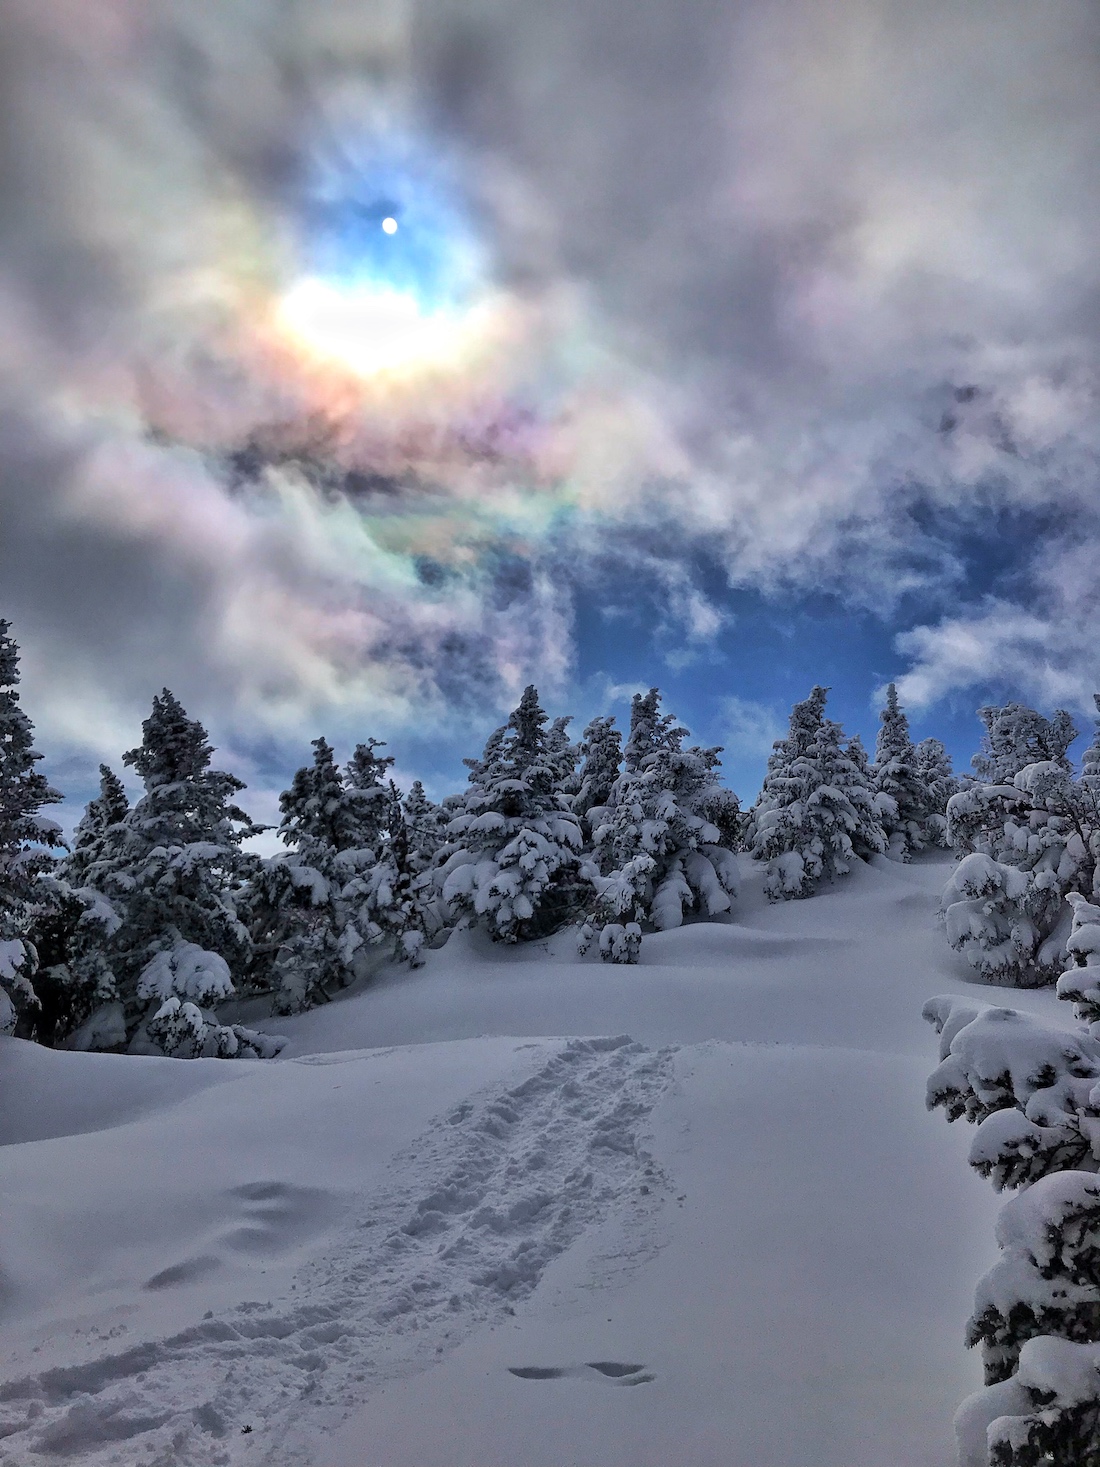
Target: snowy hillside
[(441, 1230)]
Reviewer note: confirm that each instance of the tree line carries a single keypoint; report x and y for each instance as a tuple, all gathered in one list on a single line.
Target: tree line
[(133, 935)]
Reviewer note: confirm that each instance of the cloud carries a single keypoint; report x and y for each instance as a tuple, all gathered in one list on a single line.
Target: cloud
[(747, 730), (1046, 649), (807, 294), (751, 728)]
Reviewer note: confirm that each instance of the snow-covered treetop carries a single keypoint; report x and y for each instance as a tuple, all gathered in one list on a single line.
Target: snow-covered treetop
[(425, 823), (893, 736), (513, 839), (817, 811), (111, 805), (23, 791), (366, 770), (932, 763), (650, 729), (1090, 759), (806, 720), (173, 747), (562, 752), (1016, 736), (601, 753), (185, 800), (100, 830), (321, 815), (519, 770)]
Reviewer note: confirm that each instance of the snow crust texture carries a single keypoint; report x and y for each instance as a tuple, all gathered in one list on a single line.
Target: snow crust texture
[(472, 1215)]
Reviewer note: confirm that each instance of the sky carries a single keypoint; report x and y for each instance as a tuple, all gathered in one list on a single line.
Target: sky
[(361, 362)]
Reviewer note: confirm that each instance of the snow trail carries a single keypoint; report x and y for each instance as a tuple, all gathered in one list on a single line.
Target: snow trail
[(473, 1213)]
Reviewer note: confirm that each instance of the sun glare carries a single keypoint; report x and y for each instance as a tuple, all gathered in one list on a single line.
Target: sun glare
[(372, 329)]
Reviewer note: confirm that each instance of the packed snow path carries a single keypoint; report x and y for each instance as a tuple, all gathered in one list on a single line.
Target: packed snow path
[(751, 1250), (466, 1225)]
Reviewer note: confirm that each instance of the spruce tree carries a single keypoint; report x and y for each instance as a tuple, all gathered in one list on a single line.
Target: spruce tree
[(601, 756), (816, 813), (650, 729), (426, 824), (932, 764), (366, 776), (1032, 1088), (73, 920), (904, 801), (99, 831), (1029, 814), (162, 893), (322, 810), (305, 934), (1047, 1280), (1090, 759), (396, 895), (664, 838), (512, 860), (1016, 736), (26, 838)]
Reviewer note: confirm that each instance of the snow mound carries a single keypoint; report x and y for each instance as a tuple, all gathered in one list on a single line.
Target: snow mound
[(50, 1093), (701, 944), (471, 1216)]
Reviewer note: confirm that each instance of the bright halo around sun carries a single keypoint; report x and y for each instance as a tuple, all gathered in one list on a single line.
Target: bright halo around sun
[(373, 329), (393, 278)]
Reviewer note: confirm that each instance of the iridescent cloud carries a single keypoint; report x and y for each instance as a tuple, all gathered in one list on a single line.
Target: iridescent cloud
[(338, 340)]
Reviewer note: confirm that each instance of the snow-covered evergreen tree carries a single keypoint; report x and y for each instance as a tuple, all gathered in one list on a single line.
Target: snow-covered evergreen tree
[(164, 884), (1046, 1415), (601, 756), (426, 825), (100, 829), (869, 835), (663, 840), (905, 800), (1035, 1092), (985, 911), (26, 838), (1016, 736), (1038, 820), (73, 920), (305, 931), (932, 764), (563, 754), (513, 856), (1090, 759), (817, 811), (396, 896), (1030, 1086), (181, 986), (1080, 983), (367, 776), (321, 814), (189, 867), (1047, 1280)]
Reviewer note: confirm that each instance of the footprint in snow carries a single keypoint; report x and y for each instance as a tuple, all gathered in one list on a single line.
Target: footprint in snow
[(265, 1219), (612, 1371)]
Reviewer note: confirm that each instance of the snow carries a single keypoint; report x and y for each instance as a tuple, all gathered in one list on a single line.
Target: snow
[(452, 1224), (12, 956), (186, 971)]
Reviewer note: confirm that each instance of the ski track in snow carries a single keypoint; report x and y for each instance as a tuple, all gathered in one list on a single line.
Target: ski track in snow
[(477, 1208)]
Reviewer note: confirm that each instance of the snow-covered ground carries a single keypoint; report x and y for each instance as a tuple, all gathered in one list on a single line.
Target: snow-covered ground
[(443, 1231)]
